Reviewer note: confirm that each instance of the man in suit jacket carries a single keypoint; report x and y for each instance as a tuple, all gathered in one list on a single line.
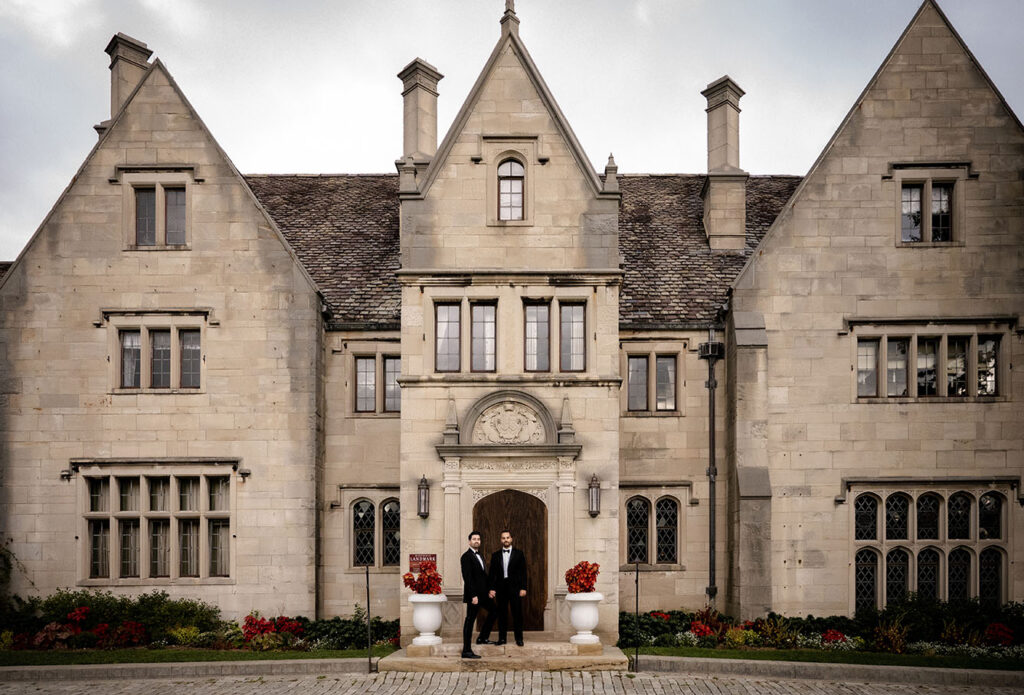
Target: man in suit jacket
[(508, 586), (475, 595)]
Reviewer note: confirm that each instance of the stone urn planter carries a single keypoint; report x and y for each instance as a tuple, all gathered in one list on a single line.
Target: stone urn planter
[(583, 616), (426, 618)]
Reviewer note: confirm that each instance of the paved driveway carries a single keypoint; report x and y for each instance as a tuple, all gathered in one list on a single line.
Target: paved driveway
[(513, 683)]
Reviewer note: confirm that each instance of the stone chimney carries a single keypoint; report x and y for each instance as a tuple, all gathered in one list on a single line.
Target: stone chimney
[(724, 193), (128, 63), (419, 92)]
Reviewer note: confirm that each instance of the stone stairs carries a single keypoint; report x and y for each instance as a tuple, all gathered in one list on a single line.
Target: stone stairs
[(533, 656)]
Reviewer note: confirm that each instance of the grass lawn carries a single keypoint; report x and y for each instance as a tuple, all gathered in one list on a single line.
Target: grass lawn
[(815, 655), (161, 656)]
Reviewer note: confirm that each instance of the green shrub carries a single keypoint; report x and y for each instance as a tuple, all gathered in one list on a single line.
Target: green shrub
[(185, 636), (6, 639), (778, 632), (891, 637), (666, 640), (736, 637)]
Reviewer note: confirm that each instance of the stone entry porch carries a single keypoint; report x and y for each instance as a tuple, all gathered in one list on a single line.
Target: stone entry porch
[(534, 656)]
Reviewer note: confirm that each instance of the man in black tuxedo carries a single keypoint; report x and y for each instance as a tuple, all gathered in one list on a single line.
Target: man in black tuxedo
[(508, 585), (475, 595)]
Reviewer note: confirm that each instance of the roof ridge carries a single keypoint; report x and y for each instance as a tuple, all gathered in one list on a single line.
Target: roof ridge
[(318, 176)]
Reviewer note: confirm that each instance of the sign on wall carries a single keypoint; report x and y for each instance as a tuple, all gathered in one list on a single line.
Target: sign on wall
[(417, 559)]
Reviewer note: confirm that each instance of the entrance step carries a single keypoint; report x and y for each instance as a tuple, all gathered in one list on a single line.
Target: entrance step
[(533, 656)]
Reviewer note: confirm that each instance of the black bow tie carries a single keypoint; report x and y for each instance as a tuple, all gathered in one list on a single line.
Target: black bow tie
[(508, 550)]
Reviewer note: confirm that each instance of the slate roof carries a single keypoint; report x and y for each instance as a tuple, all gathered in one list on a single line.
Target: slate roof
[(344, 228), (4, 265)]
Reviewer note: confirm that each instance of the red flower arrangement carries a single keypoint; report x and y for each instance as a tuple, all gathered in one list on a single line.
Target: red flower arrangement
[(429, 581), (999, 634), (832, 636), (582, 578), (700, 629)]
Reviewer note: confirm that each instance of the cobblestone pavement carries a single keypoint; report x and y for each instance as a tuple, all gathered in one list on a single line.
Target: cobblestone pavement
[(513, 683)]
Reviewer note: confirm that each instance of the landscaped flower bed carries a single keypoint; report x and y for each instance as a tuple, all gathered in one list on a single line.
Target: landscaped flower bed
[(917, 626)]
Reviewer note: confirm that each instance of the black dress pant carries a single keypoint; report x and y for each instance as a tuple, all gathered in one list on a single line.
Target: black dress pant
[(509, 598), (472, 609)]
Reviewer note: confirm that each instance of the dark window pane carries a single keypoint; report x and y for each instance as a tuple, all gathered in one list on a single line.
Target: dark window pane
[(573, 339), (392, 391), (958, 521), (897, 509), (366, 386), (990, 577), (638, 513), (942, 211), (219, 491), (145, 216), (99, 494), (637, 388), (896, 367), (220, 547), (927, 366), (928, 517), (128, 491), (911, 212), (988, 354), (174, 201), (666, 382), (191, 358), (867, 368), (866, 518), (188, 494), (897, 573), (483, 337), (159, 548), (129, 547), (959, 575), (99, 548), (390, 521), (666, 522), (447, 334), (160, 370), (363, 525), (866, 580), (928, 574), (159, 494), (188, 547), (990, 516), (538, 331), (956, 365), (131, 353)]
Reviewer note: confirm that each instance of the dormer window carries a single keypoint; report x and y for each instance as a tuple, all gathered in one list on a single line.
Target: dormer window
[(511, 177)]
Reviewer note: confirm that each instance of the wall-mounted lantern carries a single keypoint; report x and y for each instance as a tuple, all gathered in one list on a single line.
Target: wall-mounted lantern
[(595, 496), (423, 498)]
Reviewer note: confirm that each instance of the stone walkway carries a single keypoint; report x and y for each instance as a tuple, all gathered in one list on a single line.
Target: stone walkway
[(512, 683)]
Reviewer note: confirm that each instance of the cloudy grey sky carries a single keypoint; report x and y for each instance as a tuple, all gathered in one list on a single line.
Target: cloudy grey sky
[(310, 87)]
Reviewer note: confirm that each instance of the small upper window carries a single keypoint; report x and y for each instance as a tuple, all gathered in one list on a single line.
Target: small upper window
[(926, 212), (511, 177), (156, 211)]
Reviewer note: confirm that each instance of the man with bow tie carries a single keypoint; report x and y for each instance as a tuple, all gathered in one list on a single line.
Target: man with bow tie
[(475, 596), (508, 586)]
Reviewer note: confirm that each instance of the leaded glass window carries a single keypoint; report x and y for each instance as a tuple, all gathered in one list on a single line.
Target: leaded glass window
[(928, 573), (638, 513), (390, 521), (363, 526), (990, 576), (958, 521), (990, 516), (928, 517), (866, 579), (866, 518), (511, 176), (897, 574), (666, 523), (897, 509), (959, 565)]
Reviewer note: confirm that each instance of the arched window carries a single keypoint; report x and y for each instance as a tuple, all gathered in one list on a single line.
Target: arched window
[(666, 524), (511, 176), (928, 573), (897, 572), (897, 513), (866, 518), (990, 577), (928, 517), (958, 522), (390, 521), (363, 526), (990, 516), (638, 514), (959, 574), (866, 580)]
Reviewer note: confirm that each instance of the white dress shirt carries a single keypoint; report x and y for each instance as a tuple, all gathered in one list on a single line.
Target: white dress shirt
[(506, 553)]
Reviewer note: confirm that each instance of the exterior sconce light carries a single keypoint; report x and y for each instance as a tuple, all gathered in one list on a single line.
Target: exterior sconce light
[(423, 498), (595, 496), (244, 473), (66, 474)]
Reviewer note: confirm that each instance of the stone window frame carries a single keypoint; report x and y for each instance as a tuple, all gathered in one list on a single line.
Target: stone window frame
[(560, 303), (651, 496), (495, 150), (547, 304), (379, 350), (652, 350), (377, 497), (145, 472), (944, 545), (146, 323), (924, 175), (473, 304), (883, 332), (159, 179)]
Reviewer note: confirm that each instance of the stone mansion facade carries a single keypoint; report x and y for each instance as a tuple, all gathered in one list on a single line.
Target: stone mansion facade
[(250, 389)]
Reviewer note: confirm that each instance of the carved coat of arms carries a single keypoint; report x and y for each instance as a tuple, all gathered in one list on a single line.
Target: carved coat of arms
[(508, 423)]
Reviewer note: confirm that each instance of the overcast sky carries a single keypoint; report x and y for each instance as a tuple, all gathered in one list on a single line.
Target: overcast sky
[(310, 87)]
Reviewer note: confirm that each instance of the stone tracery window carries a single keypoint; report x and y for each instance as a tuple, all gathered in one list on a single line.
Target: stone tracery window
[(866, 518), (638, 513), (390, 519), (897, 575), (866, 579), (990, 516), (990, 577), (363, 530), (928, 573), (897, 516), (666, 514), (959, 584), (928, 517), (958, 522)]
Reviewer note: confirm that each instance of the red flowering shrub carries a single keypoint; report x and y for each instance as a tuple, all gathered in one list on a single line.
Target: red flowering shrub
[(700, 629), (286, 624), (429, 581), (76, 618), (130, 634), (998, 634), (254, 626), (832, 637), (582, 578), (659, 615)]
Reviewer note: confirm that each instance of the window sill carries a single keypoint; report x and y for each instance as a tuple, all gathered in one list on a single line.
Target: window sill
[(653, 568), (929, 244), (159, 247), (157, 581), (652, 413), (510, 223), (359, 569), (934, 399), (386, 415), (165, 392)]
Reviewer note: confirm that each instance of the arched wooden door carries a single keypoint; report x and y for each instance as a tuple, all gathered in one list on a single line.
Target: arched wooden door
[(525, 517)]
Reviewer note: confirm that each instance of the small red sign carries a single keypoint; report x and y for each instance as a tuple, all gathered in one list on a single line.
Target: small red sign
[(417, 559)]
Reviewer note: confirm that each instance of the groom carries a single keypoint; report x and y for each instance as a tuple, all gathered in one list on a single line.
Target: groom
[(508, 586), (475, 596)]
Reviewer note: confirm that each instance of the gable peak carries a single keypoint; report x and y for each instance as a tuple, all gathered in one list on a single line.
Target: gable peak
[(509, 20)]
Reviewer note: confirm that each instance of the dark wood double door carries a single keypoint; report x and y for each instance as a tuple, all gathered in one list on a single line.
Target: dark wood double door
[(525, 517)]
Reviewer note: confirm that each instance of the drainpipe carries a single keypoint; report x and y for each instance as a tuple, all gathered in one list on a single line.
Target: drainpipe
[(712, 351)]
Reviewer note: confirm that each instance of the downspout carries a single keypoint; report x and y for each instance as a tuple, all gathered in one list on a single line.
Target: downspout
[(712, 351)]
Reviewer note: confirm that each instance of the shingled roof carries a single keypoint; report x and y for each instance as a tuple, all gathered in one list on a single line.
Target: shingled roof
[(344, 229)]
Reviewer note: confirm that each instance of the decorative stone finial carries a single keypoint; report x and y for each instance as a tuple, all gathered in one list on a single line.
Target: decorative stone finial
[(611, 170), (509, 21), (451, 423), (406, 175), (566, 432)]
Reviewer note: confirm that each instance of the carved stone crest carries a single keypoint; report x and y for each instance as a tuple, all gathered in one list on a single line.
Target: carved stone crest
[(508, 423)]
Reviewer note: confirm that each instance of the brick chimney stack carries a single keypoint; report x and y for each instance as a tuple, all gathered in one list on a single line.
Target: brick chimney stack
[(725, 210)]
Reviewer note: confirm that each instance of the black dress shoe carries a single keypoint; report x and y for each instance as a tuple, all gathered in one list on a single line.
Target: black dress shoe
[(498, 643), (485, 641), (470, 655), (519, 642)]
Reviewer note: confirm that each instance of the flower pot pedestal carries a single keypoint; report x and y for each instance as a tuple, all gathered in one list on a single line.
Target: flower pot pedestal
[(426, 618), (583, 615)]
